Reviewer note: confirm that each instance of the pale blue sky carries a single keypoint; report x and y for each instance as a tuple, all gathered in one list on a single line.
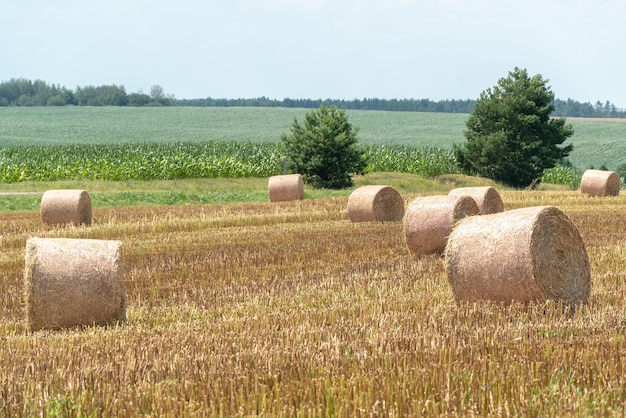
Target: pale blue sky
[(435, 49)]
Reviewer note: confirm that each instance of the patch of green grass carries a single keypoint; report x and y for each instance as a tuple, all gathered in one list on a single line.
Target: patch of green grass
[(139, 193), (106, 194), (407, 183), (19, 202)]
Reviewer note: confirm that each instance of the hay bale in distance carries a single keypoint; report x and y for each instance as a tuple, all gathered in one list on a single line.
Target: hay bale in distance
[(73, 282), (375, 204), (286, 187), (429, 221), (600, 183), (487, 198), (66, 207), (523, 255)]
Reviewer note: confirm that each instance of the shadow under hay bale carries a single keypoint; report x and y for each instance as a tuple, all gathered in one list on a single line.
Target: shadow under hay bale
[(600, 183), (286, 187), (487, 198), (375, 204), (73, 282), (66, 207), (524, 255), (429, 221)]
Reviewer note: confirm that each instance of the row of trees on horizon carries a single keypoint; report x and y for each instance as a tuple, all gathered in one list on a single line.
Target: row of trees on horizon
[(24, 92)]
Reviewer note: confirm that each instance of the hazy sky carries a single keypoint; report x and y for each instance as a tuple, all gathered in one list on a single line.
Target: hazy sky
[(435, 49)]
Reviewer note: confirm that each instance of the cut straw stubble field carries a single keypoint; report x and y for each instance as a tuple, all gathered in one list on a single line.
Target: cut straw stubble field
[(289, 308)]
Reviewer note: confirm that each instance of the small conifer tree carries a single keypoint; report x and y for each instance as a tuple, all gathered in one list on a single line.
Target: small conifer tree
[(325, 149)]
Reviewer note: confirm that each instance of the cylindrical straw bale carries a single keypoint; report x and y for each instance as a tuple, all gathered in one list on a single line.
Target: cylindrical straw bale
[(487, 198), (523, 255), (429, 221), (73, 282), (375, 204), (600, 183), (66, 207), (286, 187)]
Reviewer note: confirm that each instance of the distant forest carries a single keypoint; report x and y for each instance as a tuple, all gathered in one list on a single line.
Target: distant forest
[(23, 92)]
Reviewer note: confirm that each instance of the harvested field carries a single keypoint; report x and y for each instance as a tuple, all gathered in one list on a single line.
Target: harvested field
[(291, 309), (597, 119)]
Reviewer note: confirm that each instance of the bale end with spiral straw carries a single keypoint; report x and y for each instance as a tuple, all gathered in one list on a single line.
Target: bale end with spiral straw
[(487, 198), (600, 183), (66, 207), (73, 282), (286, 187), (524, 255), (429, 221), (375, 204)]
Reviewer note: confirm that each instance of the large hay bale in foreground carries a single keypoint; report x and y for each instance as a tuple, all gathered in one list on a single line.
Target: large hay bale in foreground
[(487, 198), (600, 183), (375, 204), (66, 207), (286, 187), (73, 282), (429, 221), (523, 255)]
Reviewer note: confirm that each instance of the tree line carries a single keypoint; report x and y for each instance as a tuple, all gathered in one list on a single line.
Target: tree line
[(396, 105), (24, 92), (562, 108)]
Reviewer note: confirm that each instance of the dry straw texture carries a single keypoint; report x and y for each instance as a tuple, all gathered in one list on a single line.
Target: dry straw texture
[(600, 183), (286, 187), (529, 254), (487, 198), (66, 207), (375, 204), (73, 282), (429, 221)]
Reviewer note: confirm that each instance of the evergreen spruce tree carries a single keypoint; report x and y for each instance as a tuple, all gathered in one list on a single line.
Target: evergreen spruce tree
[(511, 137), (325, 150)]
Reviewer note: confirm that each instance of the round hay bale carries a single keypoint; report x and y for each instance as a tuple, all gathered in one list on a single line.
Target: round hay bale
[(429, 221), (66, 207), (523, 255), (375, 204), (73, 282), (600, 183), (286, 187), (487, 198)]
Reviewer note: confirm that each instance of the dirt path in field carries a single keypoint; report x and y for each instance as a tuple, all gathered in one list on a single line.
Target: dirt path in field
[(596, 119)]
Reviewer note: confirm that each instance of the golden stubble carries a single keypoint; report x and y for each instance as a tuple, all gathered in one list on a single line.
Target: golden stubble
[(291, 309)]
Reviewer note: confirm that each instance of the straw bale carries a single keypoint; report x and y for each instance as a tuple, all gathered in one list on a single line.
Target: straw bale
[(600, 183), (286, 187), (429, 221), (73, 282), (375, 204), (522, 255), (487, 198), (66, 207)]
